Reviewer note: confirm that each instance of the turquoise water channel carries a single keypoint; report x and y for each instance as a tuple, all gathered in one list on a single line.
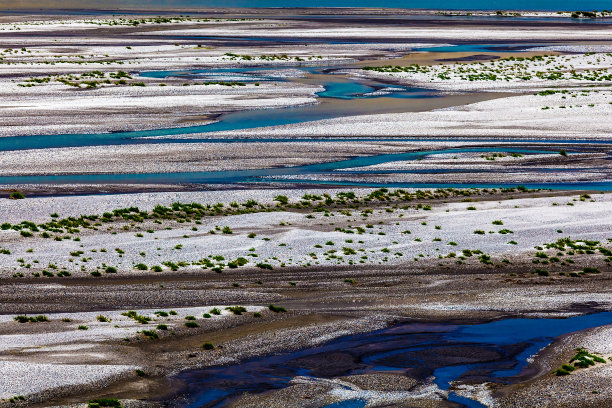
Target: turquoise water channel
[(339, 88), (277, 174)]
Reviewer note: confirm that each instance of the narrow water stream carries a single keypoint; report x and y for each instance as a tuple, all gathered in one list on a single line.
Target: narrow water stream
[(278, 174), (336, 88), (346, 94)]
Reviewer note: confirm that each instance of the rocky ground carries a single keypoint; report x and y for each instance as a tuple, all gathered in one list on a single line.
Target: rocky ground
[(332, 273), (110, 295)]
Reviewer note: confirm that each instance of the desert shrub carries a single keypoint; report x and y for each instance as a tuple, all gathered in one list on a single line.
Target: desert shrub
[(104, 402), (150, 334), (237, 310), (277, 309), (31, 319), (264, 266), (282, 199), (139, 318)]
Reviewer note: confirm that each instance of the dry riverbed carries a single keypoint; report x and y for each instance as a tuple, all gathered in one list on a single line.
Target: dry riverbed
[(115, 295)]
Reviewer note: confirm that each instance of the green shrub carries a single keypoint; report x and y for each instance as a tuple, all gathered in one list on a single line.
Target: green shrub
[(104, 402), (568, 367), (264, 266), (150, 334), (237, 310), (16, 195), (191, 325), (31, 319), (139, 318), (282, 199), (208, 346), (277, 309)]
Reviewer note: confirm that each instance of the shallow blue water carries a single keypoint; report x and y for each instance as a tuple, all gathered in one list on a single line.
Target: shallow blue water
[(567, 5), (395, 350), (275, 174), (254, 74), (353, 403), (338, 89), (334, 89), (479, 48), (594, 185)]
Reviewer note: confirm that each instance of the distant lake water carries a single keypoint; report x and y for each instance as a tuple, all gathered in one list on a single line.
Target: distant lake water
[(556, 5)]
